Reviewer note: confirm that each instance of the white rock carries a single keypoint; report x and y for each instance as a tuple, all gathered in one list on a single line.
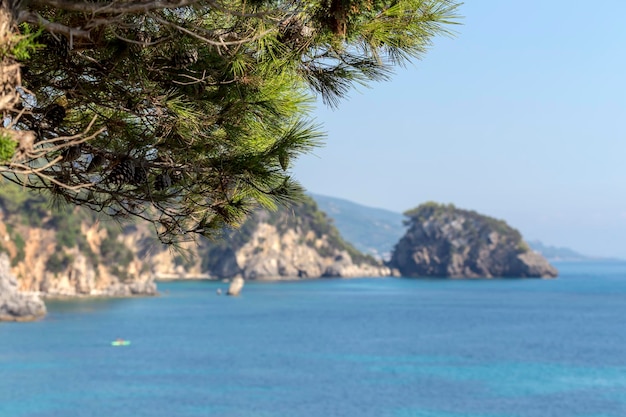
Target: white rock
[(235, 286)]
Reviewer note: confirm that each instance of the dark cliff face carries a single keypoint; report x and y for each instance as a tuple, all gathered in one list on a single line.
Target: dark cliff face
[(443, 241)]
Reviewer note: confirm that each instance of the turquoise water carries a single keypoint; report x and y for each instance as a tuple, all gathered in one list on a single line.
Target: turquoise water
[(353, 348)]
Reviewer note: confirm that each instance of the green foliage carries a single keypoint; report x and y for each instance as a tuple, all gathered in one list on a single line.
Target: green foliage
[(428, 209), (475, 225), (120, 272), (7, 147), (305, 217), (21, 46), (66, 236), (522, 247), (199, 111), (26, 44), (116, 256), (115, 253), (311, 218), (58, 262), (31, 208), (67, 221), (20, 245)]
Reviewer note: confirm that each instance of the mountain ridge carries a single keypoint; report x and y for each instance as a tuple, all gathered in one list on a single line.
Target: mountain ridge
[(371, 230)]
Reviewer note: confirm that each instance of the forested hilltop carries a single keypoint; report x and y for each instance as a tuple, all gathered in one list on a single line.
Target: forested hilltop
[(58, 249), (372, 230), (445, 241)]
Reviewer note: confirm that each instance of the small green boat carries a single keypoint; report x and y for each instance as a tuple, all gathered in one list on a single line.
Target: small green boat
[(120, 342)]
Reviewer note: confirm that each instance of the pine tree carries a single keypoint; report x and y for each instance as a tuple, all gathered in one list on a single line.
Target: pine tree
[(187, 113)]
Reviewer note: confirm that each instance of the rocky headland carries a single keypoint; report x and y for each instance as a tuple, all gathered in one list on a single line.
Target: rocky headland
[(71, 252), (444, 241), (291, 243)]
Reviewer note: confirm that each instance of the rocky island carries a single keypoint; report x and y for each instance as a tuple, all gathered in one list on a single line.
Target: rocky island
[(444, 241)]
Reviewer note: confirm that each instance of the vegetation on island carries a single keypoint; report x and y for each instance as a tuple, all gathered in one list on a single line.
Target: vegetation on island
[(187, 113), (475, 225), (445, 241)]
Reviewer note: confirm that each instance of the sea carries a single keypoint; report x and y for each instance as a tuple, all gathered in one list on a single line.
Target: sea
[(388, 347)]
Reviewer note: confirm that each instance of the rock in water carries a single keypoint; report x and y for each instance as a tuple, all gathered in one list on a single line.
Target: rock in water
[(235, 286), (15, 306), (444, 241)]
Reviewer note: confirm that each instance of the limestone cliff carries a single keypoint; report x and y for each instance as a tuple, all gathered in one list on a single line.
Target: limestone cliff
[(443, 241), (295, 243), (67, 252), (15, 305), (70, 251)]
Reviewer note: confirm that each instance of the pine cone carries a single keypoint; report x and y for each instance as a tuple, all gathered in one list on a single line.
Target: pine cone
[(186, 58), (96, 162), (122, 173), (162, 181), (141, 175), (292, 31), (54, 115), (71, 154), (144, 38), (58, 45), (177, 176), (283, 159)]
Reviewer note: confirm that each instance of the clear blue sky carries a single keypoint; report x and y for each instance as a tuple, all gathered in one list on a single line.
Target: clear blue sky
[(521, 116)]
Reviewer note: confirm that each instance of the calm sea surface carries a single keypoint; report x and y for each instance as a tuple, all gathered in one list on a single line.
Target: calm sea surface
[(353, 348)]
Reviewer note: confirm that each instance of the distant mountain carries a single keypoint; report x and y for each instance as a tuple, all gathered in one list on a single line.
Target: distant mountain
[(371, 230), (554, 253)]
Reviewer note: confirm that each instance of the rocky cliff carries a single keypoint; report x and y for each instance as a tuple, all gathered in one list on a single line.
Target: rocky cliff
[(443, 241), (15, 305), (69, 251), (294, 243)]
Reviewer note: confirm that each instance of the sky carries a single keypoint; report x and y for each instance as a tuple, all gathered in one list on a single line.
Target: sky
[(521, 116)]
